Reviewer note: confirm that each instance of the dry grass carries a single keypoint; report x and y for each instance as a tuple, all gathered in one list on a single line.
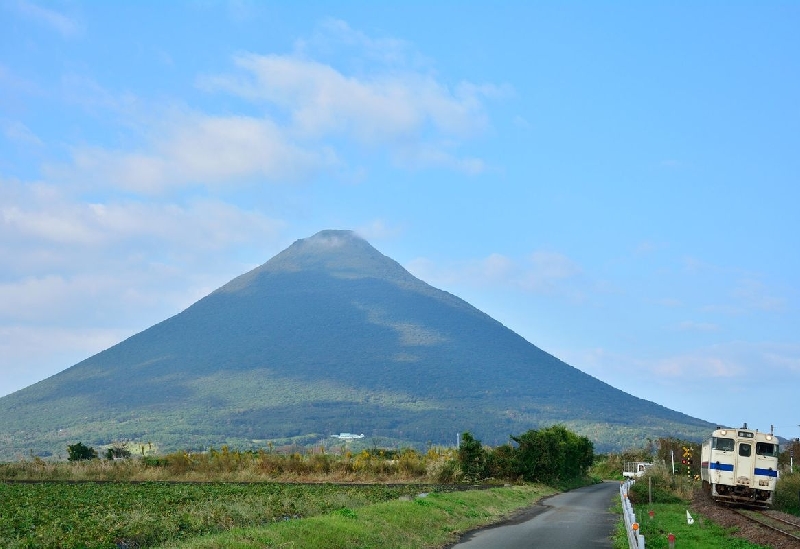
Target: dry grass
[(225, 465)]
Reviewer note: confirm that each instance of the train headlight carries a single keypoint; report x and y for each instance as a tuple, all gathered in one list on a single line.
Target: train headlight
[(723, 432), (769, 437)]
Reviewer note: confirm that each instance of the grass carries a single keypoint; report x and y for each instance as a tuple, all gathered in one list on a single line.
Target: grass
[(142, 515), (671, 496), (101, 515), (787, 493), (670, 518), (437, 465), (431, 521)]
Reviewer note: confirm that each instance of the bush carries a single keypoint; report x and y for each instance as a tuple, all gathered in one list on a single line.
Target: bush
[(666, 487), (787, 493), (472, 458), (80, 452), (118, 451), (552, 456)]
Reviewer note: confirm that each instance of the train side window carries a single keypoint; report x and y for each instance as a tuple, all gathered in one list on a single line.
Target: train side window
[(744, 450), (766, 449), (723, 444)]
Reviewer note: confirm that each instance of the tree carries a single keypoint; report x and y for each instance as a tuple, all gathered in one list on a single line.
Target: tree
[(119, 451), (79, 452), (552, 455), (501, 462), (472, 458)]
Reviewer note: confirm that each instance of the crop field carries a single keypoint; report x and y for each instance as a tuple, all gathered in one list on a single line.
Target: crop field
[(139, 515)]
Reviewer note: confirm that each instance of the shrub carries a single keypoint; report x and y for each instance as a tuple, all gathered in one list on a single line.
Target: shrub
[(666, 488), (80, 452), (787, 493), (472, 458)]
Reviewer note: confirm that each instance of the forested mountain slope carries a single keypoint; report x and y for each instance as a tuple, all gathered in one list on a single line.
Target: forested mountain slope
[(327, 336)]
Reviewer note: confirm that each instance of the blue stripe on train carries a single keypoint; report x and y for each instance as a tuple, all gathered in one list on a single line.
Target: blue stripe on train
[(765, 472), (721, 466)]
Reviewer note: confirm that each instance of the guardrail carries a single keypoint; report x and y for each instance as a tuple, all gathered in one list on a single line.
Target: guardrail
[(635, 539)]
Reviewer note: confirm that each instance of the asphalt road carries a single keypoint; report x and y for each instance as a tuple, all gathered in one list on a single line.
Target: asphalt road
[(579, 518)]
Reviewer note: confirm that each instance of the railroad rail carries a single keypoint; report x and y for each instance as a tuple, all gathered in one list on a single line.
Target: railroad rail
[(788, 528)]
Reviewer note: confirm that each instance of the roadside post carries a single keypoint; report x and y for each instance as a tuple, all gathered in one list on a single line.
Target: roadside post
[(671, 540)]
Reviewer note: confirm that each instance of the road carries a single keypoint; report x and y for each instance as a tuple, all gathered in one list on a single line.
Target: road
[(580, 518)]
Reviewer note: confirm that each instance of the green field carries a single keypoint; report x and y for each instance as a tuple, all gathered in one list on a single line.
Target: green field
[(141, 515), (64, 515)]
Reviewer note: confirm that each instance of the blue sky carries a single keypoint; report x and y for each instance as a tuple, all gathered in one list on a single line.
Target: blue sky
[(616, 182)]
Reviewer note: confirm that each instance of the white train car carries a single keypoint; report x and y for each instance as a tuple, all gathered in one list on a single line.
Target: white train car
[(740, 466)]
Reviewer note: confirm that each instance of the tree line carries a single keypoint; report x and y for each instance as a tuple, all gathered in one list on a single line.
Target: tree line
[(554, 455)]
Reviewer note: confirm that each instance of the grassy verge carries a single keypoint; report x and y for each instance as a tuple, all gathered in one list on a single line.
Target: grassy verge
[(431, 521), (670, 518)]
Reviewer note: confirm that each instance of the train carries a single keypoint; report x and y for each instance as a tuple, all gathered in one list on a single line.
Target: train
[(740, 466)]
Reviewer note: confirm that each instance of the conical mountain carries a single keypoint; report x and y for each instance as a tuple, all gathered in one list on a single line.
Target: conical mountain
[(328, 336)]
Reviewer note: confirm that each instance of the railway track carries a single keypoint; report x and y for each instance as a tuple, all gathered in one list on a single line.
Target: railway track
[(767, 519)]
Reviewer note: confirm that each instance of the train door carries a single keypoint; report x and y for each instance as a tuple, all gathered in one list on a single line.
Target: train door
[(744, 463)]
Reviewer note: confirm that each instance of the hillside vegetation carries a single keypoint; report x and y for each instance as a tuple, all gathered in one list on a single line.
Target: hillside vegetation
[(328, 336)]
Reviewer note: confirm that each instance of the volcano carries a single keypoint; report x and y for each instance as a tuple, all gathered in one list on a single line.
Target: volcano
[(328, 336)]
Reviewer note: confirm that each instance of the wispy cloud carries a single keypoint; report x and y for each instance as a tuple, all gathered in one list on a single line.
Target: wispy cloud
[(388, 100), (542, 272), (196, 149), (691, 326), (700, 366), (333, 35), (44, 229), (313, 114), (31, 353), (116, 234), (384, 107), (755, 295), (682, 381), (21, 134), (378, 229), (64, 25)]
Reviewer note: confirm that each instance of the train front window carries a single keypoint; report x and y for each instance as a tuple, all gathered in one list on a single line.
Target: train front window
[(766, 449), (744, 450), (723, 444)]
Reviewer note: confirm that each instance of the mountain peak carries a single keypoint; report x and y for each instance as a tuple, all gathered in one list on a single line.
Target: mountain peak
[(340, 253), (328, 336)]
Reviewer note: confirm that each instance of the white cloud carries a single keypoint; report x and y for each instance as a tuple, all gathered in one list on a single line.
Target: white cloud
[(13, 84), (548, 270), (43, 230), (377, 230), (691, 326), (755, 295), (195, 149), (64, 25), (697, 365), (707, 382), (50, 219), (334, 34), (31, 353), (542, 272), (420, 156), (314, 114), (20, 133), (118, 235), (382, 108)]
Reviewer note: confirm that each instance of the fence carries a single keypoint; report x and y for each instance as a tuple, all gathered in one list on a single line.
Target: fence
[(635, 539)]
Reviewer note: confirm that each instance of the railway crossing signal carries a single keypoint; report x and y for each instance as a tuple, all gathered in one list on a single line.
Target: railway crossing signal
[(687, 460)]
